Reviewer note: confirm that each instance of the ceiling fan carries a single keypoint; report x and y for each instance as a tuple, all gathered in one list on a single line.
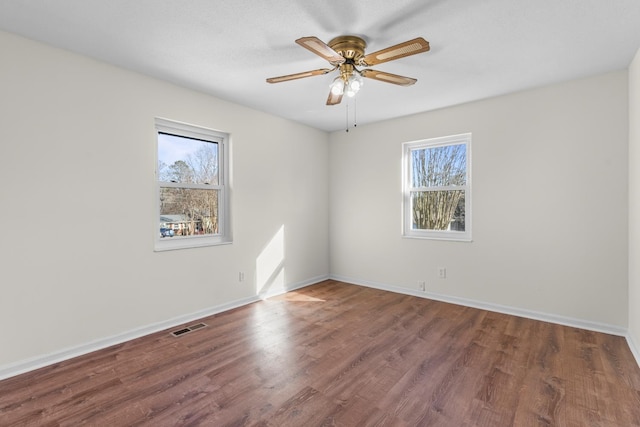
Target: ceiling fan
[(346, 53)]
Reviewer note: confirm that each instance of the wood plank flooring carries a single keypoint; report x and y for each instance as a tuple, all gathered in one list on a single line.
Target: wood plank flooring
[(334, 354)]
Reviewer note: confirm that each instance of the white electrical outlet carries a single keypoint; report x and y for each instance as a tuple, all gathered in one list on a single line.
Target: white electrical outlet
[(241, 276), (442, 272), (422, 285)]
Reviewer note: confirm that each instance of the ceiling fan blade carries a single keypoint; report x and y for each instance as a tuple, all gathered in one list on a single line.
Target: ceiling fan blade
[(388, 77), (334, 99), (299, 75), (320, 48), (401, 50)]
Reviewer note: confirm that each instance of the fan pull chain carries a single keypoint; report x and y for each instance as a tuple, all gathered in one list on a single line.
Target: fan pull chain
[(347, 117), (355, 112)]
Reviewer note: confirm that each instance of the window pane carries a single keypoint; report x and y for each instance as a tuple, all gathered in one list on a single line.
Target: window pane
[(190, 160), (439, 166), (188, 212), (438, 210)]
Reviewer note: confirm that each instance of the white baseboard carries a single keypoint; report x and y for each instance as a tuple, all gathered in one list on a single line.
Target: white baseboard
[(292, 287), (529, 314), (71, 352), (31, 364), (34, 363), (634, 347)]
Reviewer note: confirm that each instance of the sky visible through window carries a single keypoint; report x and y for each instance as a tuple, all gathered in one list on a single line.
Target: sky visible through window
[(172, 148), (184, 159)]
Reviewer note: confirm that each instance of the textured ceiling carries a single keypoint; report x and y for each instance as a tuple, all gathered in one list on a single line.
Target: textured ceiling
[(228, 48)]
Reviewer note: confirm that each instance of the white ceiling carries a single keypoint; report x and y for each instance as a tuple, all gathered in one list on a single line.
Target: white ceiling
[(227, 48)]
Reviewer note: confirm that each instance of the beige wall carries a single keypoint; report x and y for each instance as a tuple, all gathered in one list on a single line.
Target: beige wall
[(549, 203), (77, 200), (634, 204)]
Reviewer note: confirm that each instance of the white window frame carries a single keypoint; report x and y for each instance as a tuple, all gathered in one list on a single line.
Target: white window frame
[(407, 217), (224, 218)]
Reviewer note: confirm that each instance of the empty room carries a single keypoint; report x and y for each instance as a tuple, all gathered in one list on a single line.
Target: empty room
[(338, 213)]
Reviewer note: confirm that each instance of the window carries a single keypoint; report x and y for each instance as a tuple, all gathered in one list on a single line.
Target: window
[(192, 190), (437, 188)]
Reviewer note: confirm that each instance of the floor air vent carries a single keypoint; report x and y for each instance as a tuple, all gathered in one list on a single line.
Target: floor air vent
[(188, 329)]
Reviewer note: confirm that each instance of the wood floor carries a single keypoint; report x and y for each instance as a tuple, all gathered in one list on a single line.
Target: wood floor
[(334, 354)]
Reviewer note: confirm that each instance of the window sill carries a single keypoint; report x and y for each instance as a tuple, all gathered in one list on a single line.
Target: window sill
[(445, 237), (175, 243)]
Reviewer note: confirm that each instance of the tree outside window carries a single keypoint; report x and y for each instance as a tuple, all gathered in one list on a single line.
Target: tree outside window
[(436, 189), (191, 207), (192, 193)]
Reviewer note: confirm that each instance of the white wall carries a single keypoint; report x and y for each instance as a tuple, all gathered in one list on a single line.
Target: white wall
[(634, 205), (549, 203), (77, 195), (77, 203)]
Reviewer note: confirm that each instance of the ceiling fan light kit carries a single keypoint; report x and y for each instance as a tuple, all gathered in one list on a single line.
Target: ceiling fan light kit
[(337, 86), (345, 54)]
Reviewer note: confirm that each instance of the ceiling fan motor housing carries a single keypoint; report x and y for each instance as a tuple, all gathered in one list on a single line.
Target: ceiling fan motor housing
[(350, 47)]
